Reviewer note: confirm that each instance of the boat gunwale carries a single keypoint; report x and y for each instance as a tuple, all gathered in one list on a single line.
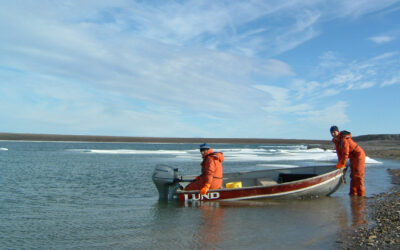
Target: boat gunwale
[(339, 171), (278, 194)]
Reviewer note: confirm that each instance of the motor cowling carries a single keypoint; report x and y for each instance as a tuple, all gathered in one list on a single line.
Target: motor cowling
[(165, 179)]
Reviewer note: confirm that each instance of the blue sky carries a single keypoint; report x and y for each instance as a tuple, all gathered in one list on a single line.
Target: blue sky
[(241, 69)]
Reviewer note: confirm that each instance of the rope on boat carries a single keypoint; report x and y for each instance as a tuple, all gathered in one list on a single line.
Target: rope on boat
[(344, 174)]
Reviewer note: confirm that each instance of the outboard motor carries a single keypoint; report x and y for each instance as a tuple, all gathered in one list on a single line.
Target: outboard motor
[(166, 180)]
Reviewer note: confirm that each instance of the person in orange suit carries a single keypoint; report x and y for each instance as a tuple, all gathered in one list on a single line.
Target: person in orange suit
[(211, 171), (346, 148)]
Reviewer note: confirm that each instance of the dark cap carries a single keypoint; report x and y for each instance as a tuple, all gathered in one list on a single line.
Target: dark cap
[(204, 146), (334, 128)]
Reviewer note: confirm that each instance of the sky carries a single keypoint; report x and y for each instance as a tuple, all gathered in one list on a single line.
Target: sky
[(222, 69)]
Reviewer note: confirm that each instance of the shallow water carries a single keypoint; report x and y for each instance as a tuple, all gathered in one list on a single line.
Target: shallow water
[(100, 195)]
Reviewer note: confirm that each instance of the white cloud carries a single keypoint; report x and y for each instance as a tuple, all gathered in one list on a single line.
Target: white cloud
[(111, 63), (142, 68), (358, 75), (79, 110), (333, 114), (278, 94), (329, 92), (282, 100), (381, 39), (358, 8), (361, 85), (307, 111), (346, 78), (330, 60), (279, 98), (305, 89), (384, 56), (273, 68), (393, 80)]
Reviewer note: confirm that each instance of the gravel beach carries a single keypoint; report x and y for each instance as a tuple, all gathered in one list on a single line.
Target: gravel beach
[(382, 231)]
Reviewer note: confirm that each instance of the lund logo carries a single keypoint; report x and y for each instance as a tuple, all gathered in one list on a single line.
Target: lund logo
[(199, 197)]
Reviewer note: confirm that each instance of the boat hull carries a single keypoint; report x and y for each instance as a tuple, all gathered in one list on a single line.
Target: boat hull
[(321, 185)]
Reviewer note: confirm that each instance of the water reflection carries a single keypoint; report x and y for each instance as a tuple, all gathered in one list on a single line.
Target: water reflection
[(358, 210), (211, 227), (278, 224), (353, 214)]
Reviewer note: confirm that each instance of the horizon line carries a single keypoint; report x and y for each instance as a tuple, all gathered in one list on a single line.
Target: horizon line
[(110, 138)]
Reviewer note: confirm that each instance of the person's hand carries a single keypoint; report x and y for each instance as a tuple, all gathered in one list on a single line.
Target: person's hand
[(205, 189), (340, 165)]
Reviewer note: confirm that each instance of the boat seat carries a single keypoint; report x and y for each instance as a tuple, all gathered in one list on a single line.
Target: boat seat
[(283, 177), (265, 182)]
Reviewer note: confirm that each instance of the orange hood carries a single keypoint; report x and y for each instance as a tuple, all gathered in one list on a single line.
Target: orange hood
[(218, 155)]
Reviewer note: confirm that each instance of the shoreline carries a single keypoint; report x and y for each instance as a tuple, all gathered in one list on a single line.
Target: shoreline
[(382, 230), (375, 146)]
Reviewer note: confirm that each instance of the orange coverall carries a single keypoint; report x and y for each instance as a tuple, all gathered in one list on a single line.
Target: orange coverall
[(211, 172), (347, 148)]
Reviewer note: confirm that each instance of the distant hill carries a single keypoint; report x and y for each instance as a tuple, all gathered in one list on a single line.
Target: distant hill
[(93, 138), (377, 137)]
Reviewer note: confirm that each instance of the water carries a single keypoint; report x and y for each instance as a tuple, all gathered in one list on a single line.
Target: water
[(100, 195)]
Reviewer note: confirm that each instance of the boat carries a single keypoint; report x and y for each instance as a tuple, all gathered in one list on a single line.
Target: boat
[(283, 183)]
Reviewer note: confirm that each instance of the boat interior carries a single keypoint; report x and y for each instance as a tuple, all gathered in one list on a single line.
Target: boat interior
[(270, 177)]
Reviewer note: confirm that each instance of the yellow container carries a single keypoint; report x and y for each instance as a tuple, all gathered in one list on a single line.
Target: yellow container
[(236, 184)]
